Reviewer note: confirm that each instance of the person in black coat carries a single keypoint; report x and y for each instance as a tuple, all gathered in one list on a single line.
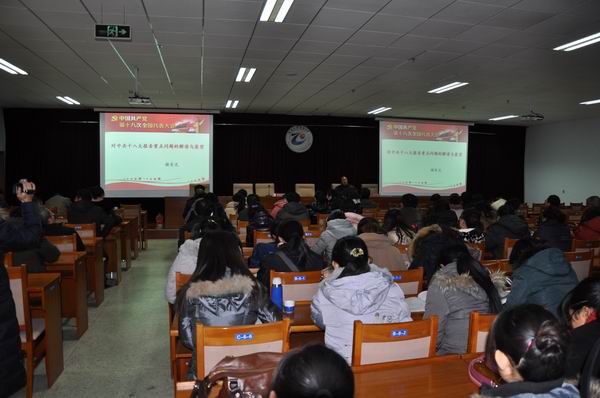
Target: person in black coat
[(292, 255), (84, 211), (509, 226), (12, 372), (554, 229), (53, 229)]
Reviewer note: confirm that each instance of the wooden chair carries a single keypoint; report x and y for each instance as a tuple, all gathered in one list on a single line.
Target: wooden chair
[(311, 237), (248, 186), (322, 221), (383, 343), (305, 190), (33, 336), (298, 286), (135, 211), (180, 280), (410, 281), (64, 243), (581, 262), (94, 260), (264, 188), (479, 328), (585, 245), (261, 237), (216, 343), (247, 252), (242, 227), (508, 246), (498, 265), (372, 213), (8, 259)]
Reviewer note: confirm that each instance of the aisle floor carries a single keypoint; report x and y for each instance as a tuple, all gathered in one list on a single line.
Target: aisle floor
[(125, 351)]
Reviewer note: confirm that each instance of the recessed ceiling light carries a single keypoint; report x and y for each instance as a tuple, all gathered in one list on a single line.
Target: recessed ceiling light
[(584, 41), (503, 117), (275, 10), (447, 87), (67, 100), (245, 74), (10, 68), (379, 110), (592, 102), (232, 104)]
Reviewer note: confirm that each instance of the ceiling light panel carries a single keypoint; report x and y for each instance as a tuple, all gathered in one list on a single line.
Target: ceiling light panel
[(10, 68), (275, 10), (447, 87), (584, 41)]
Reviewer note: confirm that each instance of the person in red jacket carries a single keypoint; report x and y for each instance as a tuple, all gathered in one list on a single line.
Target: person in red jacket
[(589, 228)]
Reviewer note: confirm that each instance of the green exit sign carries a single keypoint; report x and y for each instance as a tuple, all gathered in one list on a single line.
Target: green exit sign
[(113, 32)]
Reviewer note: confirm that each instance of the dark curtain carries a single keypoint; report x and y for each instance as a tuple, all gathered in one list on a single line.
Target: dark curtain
[(59, 149)]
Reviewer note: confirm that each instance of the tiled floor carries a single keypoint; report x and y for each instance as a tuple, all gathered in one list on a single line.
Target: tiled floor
[(125, 351)]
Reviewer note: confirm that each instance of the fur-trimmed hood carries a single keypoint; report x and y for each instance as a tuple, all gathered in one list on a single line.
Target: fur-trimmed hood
[(448, 279), (230, 285), (423, 232)]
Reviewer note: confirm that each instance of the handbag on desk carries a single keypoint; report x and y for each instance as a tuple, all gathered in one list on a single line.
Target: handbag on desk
[(247, 376), (481, 375)]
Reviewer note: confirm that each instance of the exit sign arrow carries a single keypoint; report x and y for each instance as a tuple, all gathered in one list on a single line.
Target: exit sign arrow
[(113, 32)]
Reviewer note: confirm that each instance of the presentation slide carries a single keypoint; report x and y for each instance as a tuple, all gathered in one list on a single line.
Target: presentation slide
[(422, 157), (154, 155)]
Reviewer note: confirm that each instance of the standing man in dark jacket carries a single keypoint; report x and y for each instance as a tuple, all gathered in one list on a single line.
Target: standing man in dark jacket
[(509, 226), (12, 372)]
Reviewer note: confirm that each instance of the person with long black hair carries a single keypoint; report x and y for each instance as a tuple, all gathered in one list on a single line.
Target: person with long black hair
[(221, 291), (528, 347), (553, 229), (397, 228), (292, 254), (458, 288)]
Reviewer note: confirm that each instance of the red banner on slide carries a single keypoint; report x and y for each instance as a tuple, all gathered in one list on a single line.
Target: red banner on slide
[(157, 123), (423, 131)]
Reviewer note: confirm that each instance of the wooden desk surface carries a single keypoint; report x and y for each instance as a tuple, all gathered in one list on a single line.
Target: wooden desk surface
[(68, 258), (36, 283), (441, 377)]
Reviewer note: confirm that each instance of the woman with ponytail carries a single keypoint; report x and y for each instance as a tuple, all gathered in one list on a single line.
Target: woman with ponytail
[(529, 346), (458, 288), (292, 254), (355, 291)]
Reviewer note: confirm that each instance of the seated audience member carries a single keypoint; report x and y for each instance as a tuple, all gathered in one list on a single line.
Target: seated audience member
[(84, 211), (221, 291), (355, 291), (98, 200), (205, 209), (277, 206), (258, 220), (365, 199), (579, 311), (409, 211), (53, 229), (319, 206), (187, 257), (554, 229), (458, 288), (439, 213), (552, 201), (508, 225), (517, 204), (34, 256), (60, 203), (589, 226), (529, 347), (337, 227), (541, 275), (381, 249), (592, 201), (251, 201), (313, 371), (471, 227), (456, 204), (237, 204), (425, 249), (263, 249), (293, 210), (199, 193), (397, 228), (292, 254), (344, 188), (12, 371), (434, 198)]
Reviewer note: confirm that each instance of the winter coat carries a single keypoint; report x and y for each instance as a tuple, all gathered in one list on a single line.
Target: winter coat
[(293, 211), (528, 389), (336, 229), (261, 250), (85, 212), (383, 252), (452, 297), (555, 234), (60, 203), (509, 226), (36, 256), (582, 341), (589, 230), (472, 235), (230, 301), (354, 218), (184, 263), (372, 297), (12, 372), (274, 262), (544, 279), (412, 216), (277, 206)]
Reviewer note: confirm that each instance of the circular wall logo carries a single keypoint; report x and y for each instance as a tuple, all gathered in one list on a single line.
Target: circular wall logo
[(299, 139)]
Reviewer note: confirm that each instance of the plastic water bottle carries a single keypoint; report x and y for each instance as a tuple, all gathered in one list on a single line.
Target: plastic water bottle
[(277, 292)]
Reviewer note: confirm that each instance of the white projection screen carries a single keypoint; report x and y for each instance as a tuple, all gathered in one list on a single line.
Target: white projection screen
[(422, 157), (153, 154)]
